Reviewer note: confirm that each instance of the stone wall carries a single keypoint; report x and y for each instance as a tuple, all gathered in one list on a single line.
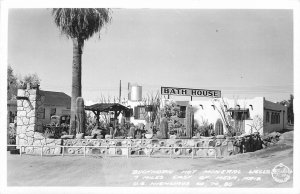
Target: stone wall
[(213, 147), (155, 147), (29, 104)]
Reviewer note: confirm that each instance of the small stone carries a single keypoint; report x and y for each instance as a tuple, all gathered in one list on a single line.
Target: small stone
[(30, 128), (21, 135), (21, 113), (29, 140), (21, 92), (20, 108), (30, 134), (19, 122), (37, 142), (32, 92), (31, 113), (38, 135), (57, 150)]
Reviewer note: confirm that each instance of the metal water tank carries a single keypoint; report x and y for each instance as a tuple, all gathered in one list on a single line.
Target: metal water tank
[(136, 93)]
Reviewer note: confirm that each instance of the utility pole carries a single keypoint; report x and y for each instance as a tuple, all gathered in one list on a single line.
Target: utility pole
[(120, 92)]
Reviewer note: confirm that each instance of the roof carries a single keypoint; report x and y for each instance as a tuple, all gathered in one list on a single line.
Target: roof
[(56, 98), (106, 107)]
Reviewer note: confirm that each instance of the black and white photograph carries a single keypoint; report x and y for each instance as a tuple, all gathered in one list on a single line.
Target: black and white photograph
[(149, 98)]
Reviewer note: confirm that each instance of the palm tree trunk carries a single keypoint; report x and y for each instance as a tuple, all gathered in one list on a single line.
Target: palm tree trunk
[(76, 81)]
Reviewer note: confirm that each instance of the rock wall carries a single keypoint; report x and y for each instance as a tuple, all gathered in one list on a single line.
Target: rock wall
[(29, 111), (203, 147)]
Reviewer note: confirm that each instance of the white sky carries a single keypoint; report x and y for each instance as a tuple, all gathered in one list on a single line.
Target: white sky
[(243, 53)]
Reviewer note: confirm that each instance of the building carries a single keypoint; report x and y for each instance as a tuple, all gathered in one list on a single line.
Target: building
[(55, 103), (246, 115)]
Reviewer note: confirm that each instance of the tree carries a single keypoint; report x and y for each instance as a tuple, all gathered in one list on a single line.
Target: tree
[(12, 83), (257, 123), (79, 25), (33, 79), (290, 108)]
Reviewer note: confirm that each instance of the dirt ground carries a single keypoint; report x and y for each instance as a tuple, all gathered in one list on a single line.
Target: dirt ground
[(244, 170)]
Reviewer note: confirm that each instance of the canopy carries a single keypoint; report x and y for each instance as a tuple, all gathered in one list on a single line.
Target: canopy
[(106, 107)]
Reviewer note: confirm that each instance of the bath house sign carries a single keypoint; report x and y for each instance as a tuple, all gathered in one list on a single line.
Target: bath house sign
[(190, 92)]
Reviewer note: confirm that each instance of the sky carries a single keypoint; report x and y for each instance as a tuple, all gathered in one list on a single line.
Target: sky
[(243, 53)]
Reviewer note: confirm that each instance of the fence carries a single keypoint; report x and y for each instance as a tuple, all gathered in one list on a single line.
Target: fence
[(172, 154)]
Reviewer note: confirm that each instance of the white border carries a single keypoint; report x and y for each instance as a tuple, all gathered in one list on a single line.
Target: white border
[(157, 4)]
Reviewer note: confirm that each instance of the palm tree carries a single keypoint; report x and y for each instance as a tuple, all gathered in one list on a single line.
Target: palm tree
[(79, 25)]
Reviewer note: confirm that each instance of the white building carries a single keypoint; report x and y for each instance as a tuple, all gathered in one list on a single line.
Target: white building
[(247, 115)]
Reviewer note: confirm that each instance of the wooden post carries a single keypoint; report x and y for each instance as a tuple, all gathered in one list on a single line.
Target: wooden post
[(192, 152), (215, 153), (98, 117), (63, 150), (84, 154), (127, 152), (42, 151), (20, 150)]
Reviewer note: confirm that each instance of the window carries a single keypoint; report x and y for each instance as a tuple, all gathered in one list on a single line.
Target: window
[(240, 114), (52, 112), (182, 112), (268, 117), (42, 113), (139, 112), (275, 118)]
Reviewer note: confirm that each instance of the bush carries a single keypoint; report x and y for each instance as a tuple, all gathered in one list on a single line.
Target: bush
[(11, 134), (54, 131)]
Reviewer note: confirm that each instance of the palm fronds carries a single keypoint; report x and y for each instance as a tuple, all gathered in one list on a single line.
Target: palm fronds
[(81, 22)]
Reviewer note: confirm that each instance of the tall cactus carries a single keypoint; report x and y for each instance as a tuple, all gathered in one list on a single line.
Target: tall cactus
[(189, 121), (163, 127), (80, 115)]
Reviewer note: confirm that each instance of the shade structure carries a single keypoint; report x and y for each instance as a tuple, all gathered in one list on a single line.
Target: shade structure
[(107, 107)]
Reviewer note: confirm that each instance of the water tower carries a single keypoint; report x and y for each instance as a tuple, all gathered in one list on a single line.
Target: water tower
[(135, 93)]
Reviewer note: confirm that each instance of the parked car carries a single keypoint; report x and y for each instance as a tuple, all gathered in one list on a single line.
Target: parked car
[(57, 120)]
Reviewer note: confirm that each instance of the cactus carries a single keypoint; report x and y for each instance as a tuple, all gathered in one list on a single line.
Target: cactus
[(80, 115), (189, 120), (163, 127)]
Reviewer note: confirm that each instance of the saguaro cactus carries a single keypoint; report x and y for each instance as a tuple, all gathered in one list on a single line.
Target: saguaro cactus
[(163, 127), (80, 115), (189, 122)]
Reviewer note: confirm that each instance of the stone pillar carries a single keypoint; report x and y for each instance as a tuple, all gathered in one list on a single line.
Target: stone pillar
[(29, 128), (26, 116)]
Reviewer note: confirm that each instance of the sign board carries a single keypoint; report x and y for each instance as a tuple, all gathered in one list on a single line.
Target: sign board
[(190, 92)]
